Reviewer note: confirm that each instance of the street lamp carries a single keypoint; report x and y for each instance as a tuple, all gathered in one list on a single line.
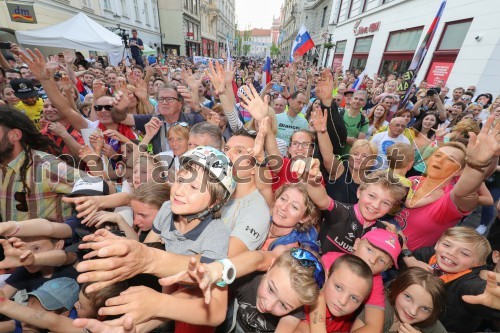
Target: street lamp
[(328, 45)]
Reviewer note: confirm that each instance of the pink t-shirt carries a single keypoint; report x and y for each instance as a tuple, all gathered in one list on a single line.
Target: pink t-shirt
[(424, 225), (376, 297)]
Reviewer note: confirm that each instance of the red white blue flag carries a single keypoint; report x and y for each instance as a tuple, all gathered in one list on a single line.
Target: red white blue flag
[(410, 75), (302, 43), (266, 72)]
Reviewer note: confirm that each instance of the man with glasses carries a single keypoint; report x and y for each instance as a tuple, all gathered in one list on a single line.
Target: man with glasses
[(170, 105), (387, 138), (467, 97)]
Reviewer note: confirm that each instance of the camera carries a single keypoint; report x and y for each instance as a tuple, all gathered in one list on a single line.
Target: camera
[(433, 91), (124, 35)]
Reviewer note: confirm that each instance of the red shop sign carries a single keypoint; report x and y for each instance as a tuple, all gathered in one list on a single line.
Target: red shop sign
[(190, 34), (439, 70)]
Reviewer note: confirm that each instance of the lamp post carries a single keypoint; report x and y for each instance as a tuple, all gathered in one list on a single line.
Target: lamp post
[(328, 45)]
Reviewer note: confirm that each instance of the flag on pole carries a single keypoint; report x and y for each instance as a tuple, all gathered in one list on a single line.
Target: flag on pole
[(228, 51), (410, 75), (266, 71), (359, 79), (302, 43)]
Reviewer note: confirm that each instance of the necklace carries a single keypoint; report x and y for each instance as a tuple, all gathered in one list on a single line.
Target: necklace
[(334, 128), (290, 119)]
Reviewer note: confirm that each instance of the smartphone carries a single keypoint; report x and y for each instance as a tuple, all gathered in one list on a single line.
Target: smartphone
[(5, 45), (277, 87)]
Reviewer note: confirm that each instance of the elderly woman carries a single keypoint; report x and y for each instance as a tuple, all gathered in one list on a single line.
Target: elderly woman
[(449, 199)]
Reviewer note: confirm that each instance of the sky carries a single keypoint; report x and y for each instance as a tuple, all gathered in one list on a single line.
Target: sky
[(257, 13)]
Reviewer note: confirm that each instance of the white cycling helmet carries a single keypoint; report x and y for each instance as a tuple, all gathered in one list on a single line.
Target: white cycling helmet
[(216, 162)]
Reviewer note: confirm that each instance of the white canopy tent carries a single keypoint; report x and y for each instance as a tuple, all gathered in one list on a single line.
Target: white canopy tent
[(80, 33)]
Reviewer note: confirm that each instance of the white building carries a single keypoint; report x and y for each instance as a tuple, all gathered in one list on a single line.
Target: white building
[(382, 36), (141, 15), (259, 41)]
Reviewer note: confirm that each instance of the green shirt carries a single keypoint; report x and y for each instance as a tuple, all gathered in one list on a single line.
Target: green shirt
[(352, 124)]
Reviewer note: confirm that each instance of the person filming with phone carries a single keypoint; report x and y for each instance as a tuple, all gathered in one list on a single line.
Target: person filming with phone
[(136, 48)]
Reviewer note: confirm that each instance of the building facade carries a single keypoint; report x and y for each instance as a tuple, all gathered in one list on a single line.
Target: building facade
[(276, 27), (382, 36), (294, 14), (140, 15), (317, 21), (209, 17), (225, 25), (258, 41)]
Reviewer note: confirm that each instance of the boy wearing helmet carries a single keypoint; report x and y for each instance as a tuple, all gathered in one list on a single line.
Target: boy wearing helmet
[(190, 222)]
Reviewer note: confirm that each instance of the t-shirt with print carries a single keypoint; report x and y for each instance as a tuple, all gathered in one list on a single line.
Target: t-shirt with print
[(209, 238), (288, 125), (247, 219), (22, 279), (383, 141), (342, 225), (352, 124), (248, 318), (34, 112), (376, 297)]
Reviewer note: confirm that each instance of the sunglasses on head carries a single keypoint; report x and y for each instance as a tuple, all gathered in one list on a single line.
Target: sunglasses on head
[(180, 123), (20, 197), (307, 259), (101, 107)]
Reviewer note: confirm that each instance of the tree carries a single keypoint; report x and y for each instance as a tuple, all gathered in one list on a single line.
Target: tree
[(275, 51), (246, 37)]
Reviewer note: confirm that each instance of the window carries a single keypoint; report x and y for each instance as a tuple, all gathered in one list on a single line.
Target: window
[(323, 18), (370, 4), (360, 53), (186, 4), (454, 35), (399, 51), (87, 3), (107, 4), (404, 40), (146, 13), (338, 57), (136, 8), (355, 7), (124, 8), (342, 10)]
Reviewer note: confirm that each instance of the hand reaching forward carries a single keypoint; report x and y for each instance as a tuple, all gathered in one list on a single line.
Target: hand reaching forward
[(251, 101)]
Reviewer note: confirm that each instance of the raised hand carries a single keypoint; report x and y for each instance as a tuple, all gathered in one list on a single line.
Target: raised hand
[(191, 80), (213, 118), (324, 87), (86, 206), (65, 83), (121, 100), (308, 168), (485, 145), (319, 120), (36, 63), (98, 89), (114, 134), (252, 102), (153, 126), (258, 147), (141, 89), (97, 141), (52, 64), (217, 77), (69, 57), (491, 295)]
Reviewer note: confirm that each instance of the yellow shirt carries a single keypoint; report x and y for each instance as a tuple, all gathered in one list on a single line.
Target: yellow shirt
[(33, 112)]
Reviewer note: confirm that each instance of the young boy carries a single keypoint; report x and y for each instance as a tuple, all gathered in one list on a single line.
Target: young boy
[(457, 259), (348, 285), (379, 249), (345, 223)]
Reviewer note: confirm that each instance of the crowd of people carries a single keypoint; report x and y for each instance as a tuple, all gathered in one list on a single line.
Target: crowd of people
[(163, 195)]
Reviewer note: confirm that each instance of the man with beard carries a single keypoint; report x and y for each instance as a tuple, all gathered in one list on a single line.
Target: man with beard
[(60, 130), (32, 180)]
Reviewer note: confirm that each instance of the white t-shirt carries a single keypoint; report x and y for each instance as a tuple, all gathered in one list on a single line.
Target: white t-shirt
[(384, 141)]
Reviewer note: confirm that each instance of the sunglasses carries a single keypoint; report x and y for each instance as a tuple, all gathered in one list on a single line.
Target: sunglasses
[(166, 99), (101, 107), (180, 123), (20, 197), (307, 259)]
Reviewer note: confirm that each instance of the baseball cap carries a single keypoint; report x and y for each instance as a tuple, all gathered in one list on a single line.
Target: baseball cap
[(89, 186), (349, 91), (386, 241), (57, 294), (23, 88)]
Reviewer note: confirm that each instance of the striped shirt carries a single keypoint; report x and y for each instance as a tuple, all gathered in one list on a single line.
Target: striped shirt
[(48, 179)]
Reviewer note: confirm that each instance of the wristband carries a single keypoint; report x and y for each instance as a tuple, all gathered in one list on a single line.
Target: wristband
[(261, 164), (477, 166), (18, 227)]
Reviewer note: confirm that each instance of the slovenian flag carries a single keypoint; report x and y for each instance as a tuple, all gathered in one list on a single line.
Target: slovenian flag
[(358, 81), (302, 43), (266, 72), (410, 76)]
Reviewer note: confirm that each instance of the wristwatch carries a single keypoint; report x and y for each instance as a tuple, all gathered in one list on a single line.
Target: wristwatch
[(228, 273), (406, 253)]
